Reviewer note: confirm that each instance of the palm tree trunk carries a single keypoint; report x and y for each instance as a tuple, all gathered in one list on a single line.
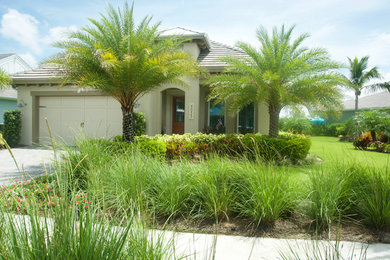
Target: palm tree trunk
[(273, 121), (127, 125), (357, 93)]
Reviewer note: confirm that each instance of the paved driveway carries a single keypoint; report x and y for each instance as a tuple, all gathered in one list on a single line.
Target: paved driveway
[(31, 159)]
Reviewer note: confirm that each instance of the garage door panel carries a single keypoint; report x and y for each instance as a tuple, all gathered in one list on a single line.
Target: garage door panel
[(50, 101), (52, 116), (72, 102), (96, 102), (95, 122), (113, 103), (95, 116)]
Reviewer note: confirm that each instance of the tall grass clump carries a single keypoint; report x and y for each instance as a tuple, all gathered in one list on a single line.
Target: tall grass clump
[(329, 196), (214, 189), (123, 183), (264, 194), (373, 199), (71, 232), (172, 191)]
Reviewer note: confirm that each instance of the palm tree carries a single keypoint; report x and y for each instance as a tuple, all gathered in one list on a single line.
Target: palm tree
[(5, 80), (280, 73), (359, 76), (123, 60)]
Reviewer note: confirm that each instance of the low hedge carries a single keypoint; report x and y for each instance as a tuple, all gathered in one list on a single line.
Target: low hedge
[(288, 146)]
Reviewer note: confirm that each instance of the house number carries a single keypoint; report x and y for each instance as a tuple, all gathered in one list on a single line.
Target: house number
[(191, 111)]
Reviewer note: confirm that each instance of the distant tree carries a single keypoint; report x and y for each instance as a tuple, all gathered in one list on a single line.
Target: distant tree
[(280, 73), (359, 76), (5, 79), (123, 59)]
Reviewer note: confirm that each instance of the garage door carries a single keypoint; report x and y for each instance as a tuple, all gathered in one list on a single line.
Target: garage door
[(70, 117)]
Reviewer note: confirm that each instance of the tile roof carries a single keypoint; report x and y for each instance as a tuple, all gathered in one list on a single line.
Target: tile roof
[(43, 72), (210, 58), (9, 93), (2, 56), (376, 101), (181, 31)]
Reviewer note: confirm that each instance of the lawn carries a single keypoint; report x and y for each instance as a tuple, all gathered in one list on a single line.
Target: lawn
[(332, 151)]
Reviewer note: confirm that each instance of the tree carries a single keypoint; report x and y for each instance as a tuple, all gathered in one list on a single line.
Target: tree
[(359, 76), (280, 73), (122, 59), (5, 80)]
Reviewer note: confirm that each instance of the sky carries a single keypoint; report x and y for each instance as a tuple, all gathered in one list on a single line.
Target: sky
[(346, 28)]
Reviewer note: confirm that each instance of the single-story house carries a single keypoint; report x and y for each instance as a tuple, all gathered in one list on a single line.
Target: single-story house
[(170, 109), (375, 101), (10, 63)]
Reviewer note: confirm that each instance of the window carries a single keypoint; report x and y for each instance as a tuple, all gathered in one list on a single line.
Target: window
[(246, 120), (217, 118), (179, 109)]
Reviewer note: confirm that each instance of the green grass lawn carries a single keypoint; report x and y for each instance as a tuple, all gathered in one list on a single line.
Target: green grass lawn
[(331, 151)]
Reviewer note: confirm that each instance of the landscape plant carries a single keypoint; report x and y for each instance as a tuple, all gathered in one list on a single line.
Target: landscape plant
[(5, 79), (123, 59), (295, 125), (360, 75), (280, 73), (12, 126)]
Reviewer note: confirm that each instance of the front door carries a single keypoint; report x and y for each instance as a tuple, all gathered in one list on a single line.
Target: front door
[(178, 115)]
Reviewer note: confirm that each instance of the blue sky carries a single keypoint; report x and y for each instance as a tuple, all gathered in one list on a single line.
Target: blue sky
[(345, 28)]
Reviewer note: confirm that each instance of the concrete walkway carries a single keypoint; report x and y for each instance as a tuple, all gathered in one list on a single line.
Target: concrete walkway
[(31, 159), (223, 247)]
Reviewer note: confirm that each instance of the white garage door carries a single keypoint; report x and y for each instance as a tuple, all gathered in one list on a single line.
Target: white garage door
[(70, 117)]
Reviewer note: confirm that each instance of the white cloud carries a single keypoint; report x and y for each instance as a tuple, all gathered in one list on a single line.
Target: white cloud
[(30, 59), (59, 33), (22, 28)]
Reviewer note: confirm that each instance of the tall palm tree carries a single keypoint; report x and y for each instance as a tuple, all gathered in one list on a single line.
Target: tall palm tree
[(122, 59), (359, 76), (280, 73), (5, 80)]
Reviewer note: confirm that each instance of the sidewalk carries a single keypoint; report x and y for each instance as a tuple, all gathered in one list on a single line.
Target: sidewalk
[(201, 246)]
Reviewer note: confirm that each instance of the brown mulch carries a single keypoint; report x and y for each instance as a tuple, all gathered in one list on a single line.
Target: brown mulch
[(297, 228)]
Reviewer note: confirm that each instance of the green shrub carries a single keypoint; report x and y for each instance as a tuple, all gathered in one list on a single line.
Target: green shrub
[(12, 127), (336, 129), (139, 124), (287, 146), (155, 148), (376, 122), (318, 129), (295, 125)]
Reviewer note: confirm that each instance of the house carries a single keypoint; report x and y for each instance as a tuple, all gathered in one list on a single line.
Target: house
[(170, 109), (376, 101), (10, 63)]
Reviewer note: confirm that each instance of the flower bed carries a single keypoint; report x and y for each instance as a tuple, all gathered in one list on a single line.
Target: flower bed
[(367, 142), (20, 196)]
